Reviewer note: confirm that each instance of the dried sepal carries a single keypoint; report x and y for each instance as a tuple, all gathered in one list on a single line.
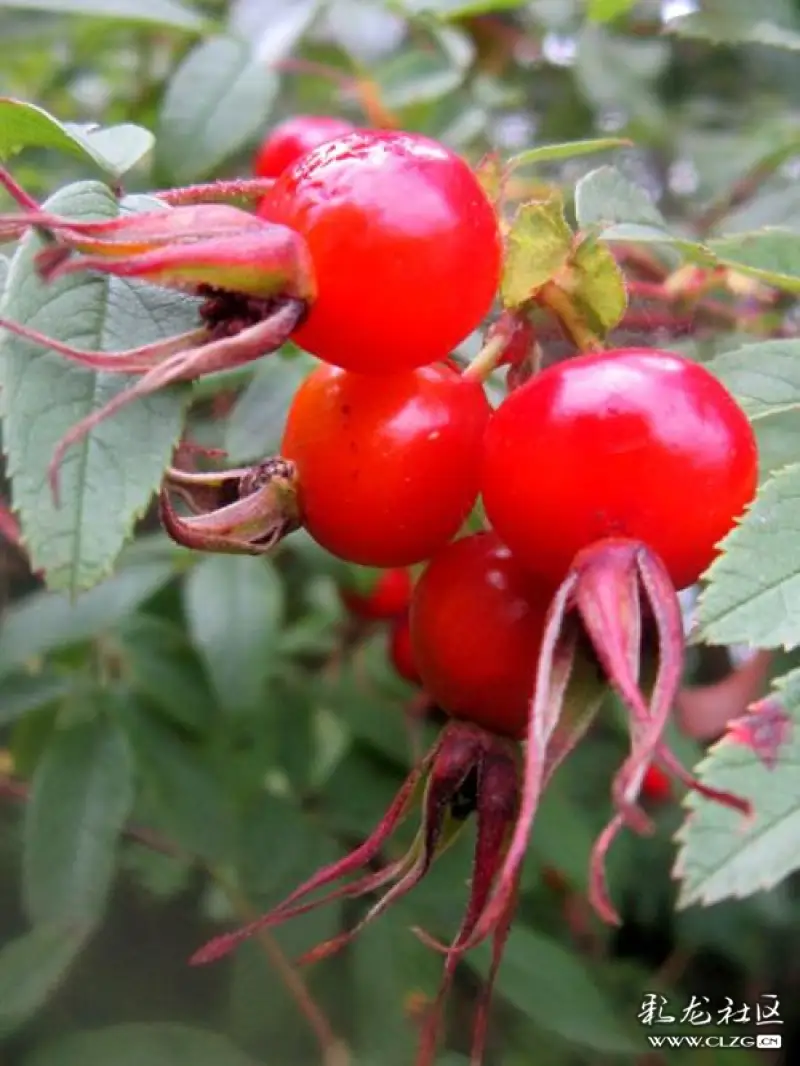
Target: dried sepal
[(246, 511), (224, 353)]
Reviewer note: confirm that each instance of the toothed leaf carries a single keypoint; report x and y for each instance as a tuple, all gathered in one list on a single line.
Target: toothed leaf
[(107, 479), (720, 856), (753, 595)]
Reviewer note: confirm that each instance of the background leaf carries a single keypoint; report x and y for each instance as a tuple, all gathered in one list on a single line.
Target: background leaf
[(107, 480), (82, 792), (31, 968), (114, 149), (549, 985), (234, 606), (156, 1043), (219, 98), (169, 13), (47, 621), (548, 153)]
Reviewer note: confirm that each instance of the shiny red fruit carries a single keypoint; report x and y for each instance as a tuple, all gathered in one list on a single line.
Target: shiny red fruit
[(405, 245), (389, 596), (387, 466), (632, 443), (476, 627), (401, 653), (293, 138), (656, 786)]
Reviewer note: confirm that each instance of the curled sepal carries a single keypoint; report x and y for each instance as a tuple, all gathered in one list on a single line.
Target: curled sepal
[(245, 511), (268, 261), (130, 234), (191, 245), (169, 362), (405, 800), (621, 593)]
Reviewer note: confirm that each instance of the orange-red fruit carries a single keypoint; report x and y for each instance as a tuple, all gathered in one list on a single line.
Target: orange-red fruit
[(656, 786), (476, 627), (405, 245), (389, 596), (293, 138), (401, 652), (633, 443), (387, 466)]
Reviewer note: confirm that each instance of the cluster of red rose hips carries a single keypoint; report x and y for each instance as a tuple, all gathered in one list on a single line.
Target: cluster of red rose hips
[(607, 482), (393, 444)]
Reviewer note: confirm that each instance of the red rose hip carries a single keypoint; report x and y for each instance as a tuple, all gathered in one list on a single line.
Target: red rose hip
[(477, 621), (293, 138), (401, 651), (405, 246), (388, 467), (632, 443), (390, 596)]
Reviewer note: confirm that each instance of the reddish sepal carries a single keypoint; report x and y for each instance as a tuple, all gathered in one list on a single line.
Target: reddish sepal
[(236, 512)]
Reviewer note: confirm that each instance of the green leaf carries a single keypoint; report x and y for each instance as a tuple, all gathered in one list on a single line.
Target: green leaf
[(458, 9), (218, 99), (598, 286), (606, 197), (607, 10), (114, 149), (32, 967), (764, 377), (549, 984), (22, 693), (107, 480), (141, 1044), (420, 75), (46, 621), (616, 72), (753, 593), (278, 846), (82, 793), (770, 254), (537, 247), (254, 427), (168, 13), (161, 663), (722, 856), (548, 153), (234, 606), (723, 26), (390, 965), (188, 800), (637, 233), (275, 28)]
